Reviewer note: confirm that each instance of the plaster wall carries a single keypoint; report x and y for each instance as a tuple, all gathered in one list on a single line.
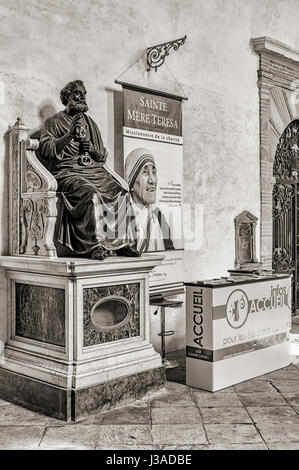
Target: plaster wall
[(46, 43)]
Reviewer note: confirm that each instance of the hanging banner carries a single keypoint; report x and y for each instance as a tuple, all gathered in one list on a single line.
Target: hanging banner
[(153, 153)]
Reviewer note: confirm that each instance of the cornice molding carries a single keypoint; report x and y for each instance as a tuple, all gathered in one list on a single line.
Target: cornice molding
[(271, 46)]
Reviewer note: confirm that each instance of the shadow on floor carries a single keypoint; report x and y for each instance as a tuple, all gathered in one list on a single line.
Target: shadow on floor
[(177, 374)]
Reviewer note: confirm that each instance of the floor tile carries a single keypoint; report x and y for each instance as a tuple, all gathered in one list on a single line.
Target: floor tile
[(174, 387), (284, 446), (173, 400), (254, 386), (182, 447), (124, 447), (292, 398), (53, 422), (259, 446), (178, 434), (232, 434), (19, 416), (262, 399), (281, 432), (288, 373), (94, 419), (219, 392), (173, 415), (75, 436), (20, 437), (123, 434), (176, 413), (273, 414), (286, 385), (72, 447), (228, 415), (127, 415), (154, 395), (216, 399)]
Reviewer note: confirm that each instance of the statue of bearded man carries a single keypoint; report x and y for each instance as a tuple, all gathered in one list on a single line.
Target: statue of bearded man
[(95, 199)]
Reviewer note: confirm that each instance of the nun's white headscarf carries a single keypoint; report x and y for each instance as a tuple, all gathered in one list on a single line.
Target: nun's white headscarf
[(134, 162)]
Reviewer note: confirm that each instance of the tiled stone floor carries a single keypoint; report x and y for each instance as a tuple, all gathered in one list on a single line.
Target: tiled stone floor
[(262, 413)]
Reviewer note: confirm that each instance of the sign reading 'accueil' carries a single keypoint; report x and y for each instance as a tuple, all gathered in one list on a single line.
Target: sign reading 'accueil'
[(236, 332)]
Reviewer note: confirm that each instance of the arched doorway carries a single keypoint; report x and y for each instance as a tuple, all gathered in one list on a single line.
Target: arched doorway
[(285, 202)]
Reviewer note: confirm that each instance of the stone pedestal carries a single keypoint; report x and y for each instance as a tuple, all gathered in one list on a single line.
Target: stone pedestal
[(78, 338)]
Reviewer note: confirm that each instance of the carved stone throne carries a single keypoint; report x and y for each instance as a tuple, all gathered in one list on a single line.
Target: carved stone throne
[(32, 197), (78, 329)]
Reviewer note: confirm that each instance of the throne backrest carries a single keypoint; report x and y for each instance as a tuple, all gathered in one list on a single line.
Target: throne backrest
[(32, 197)]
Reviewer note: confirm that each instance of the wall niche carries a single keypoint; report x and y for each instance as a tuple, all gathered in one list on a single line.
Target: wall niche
[(245, 241)]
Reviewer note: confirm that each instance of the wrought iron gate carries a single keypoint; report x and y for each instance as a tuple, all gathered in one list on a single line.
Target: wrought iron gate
[(285, 196)]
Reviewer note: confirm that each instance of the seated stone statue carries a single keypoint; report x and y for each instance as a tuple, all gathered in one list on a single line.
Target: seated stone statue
[(95, 200)]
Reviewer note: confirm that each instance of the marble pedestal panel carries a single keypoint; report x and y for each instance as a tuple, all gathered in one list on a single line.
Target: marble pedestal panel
[(64, 357)]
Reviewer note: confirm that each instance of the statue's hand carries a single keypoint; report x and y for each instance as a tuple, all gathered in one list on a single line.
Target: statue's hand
[(75, 121)]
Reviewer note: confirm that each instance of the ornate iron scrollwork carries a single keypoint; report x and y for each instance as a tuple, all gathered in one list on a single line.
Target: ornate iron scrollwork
[(283, 227), (284, 257), (287, 153), (282, 199), (156, 54), (283, 260)]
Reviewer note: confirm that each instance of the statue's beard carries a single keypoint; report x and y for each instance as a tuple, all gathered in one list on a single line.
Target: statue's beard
[(74, 107)]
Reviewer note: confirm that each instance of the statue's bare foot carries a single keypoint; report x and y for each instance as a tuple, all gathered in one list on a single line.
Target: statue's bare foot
[(99, 253), (128, 251)]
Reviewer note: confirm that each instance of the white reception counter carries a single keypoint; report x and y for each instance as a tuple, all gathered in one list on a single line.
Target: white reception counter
[(237, 328)]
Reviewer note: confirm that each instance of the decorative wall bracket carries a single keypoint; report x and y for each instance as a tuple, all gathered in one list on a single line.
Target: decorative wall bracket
[(156, 54)]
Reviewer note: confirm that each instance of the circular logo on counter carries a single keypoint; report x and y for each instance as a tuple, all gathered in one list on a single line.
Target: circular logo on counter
[(237, 308)]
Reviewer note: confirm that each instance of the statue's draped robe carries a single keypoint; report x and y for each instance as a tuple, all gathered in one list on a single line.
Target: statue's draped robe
[(94, 200)]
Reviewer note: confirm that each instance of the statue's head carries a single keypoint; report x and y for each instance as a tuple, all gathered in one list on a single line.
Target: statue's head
[(73, 97), (141, 175)]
